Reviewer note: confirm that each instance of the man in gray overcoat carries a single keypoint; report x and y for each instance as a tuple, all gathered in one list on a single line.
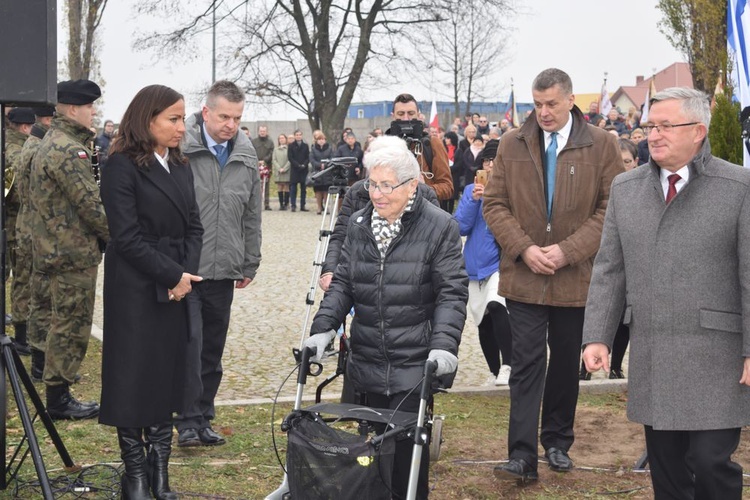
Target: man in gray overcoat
[(675, 253)]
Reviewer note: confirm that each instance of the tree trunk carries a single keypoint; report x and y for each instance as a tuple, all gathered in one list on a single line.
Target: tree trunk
[(75, 62)]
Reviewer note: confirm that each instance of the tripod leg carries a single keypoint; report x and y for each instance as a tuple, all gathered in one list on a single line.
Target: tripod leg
[(28, 426)]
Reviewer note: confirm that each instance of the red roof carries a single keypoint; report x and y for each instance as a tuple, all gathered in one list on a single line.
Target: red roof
[(675, 75)]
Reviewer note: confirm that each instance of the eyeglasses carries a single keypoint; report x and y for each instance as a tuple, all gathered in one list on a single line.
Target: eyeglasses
[(482, 121), (665, 128), (384, 188)]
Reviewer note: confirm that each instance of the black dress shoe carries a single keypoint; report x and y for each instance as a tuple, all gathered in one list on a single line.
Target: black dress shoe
[(303, 209), (209, 437), (558, 459), (616, 374), (516, 470), (188, 437)]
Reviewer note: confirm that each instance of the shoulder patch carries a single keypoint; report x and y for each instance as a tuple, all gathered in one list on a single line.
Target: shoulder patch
[(82, 155)]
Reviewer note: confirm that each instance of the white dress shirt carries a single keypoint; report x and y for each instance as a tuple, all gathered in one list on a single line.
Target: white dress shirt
[(684, 174)]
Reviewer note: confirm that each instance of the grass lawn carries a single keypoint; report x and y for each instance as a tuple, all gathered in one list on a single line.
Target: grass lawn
[(246, 467)]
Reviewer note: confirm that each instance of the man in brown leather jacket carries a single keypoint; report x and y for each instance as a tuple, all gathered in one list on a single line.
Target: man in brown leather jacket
[(545, 204), (433, 163)]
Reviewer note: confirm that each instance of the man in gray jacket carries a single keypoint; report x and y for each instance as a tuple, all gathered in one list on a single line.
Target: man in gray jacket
[(227, 188), (675, 253)]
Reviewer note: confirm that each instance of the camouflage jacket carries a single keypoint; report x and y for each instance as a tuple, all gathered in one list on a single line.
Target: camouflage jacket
[(13, 143), (69, 215), (23, 222)]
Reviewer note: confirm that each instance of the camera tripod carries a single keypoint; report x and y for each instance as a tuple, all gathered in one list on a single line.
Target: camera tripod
[(327, 224), (14, 371)]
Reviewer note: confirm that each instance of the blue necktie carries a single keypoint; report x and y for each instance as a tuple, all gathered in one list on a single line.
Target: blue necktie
[(222, 154), (551, 159)]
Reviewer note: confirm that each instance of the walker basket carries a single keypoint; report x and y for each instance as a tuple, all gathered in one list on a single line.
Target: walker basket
[(324, 462)]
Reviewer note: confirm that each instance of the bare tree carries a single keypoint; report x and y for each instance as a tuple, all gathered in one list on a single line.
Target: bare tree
[(309, 54), (84, 17), (467, 50)]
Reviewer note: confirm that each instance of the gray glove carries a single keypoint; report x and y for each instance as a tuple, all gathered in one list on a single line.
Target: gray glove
[(447, 363), (319, 341)]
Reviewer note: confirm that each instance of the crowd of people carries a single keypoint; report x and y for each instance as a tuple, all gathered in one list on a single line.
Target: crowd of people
[(569, 245)]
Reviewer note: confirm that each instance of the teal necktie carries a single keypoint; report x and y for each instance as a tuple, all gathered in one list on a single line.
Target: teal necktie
[(551, 160), (222, 154)]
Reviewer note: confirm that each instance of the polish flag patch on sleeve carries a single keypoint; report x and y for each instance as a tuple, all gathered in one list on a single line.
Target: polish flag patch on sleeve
[(82, 155)]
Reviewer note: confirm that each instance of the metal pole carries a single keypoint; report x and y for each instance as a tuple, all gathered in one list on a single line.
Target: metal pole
[(213, 52)]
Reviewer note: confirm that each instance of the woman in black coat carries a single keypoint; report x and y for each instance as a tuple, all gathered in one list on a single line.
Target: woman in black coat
[(156, 238), (320, 151), (402, 269)]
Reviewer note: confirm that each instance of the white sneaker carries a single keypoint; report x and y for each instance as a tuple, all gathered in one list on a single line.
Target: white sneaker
[(504, 376), (490, 379)]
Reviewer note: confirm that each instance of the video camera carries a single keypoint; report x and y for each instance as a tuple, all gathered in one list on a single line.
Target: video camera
[(341, 170), (408, 130)]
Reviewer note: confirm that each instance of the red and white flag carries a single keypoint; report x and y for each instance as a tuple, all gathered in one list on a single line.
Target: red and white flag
[(434, 121)]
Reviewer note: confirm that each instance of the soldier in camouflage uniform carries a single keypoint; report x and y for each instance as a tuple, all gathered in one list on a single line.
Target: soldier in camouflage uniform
[(24, 301), (68, 226), (21, 121)]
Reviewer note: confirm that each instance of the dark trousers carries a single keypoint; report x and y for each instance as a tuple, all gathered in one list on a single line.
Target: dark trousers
[(619, 346), (533, 327), (495, 338), (209, 305), (302, 193), (404, 448), (694, 464)]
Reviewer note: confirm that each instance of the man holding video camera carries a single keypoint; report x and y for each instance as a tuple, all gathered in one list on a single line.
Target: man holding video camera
[(430, 152)]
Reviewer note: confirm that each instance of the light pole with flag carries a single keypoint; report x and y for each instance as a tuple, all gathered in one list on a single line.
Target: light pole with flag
[(511, 112)]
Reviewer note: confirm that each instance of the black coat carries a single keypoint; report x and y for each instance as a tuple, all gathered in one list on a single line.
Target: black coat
[(299, 158), (156, 235), (355, 199), (317, 155), (408, 304)]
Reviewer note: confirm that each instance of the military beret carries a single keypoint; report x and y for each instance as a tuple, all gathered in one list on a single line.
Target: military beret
[(78, 92), (44, 111), (21, 115)]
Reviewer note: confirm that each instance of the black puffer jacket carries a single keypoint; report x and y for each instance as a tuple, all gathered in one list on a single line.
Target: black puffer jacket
[(355, 199), (407, 304)]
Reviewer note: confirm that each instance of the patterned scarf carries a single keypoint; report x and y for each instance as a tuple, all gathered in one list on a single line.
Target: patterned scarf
[(384, 232)]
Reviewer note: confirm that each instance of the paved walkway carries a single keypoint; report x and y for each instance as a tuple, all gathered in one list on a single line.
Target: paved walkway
[(268, 316)]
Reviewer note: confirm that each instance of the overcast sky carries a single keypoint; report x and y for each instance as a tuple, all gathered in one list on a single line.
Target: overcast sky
[(583, 37)]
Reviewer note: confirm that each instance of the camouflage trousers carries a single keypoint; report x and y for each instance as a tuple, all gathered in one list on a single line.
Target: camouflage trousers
[(72, 297), (40, 311), (20, 291)]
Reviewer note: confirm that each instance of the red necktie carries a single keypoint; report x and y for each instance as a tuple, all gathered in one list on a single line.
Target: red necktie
[(672, 191)]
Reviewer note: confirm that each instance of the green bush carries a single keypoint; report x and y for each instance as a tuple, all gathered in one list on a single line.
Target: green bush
[(725, 133)]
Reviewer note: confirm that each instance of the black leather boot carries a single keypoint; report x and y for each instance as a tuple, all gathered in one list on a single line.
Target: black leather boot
[(21, 341), (133, 452), (61, 405), (37, 364), (286, 200), (160, 447), (281, 201)]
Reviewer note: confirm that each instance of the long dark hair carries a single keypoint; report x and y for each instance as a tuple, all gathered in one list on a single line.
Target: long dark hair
[(134, 138)]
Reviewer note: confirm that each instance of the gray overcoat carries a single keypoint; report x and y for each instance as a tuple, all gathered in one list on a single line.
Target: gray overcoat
[(682, 272)]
